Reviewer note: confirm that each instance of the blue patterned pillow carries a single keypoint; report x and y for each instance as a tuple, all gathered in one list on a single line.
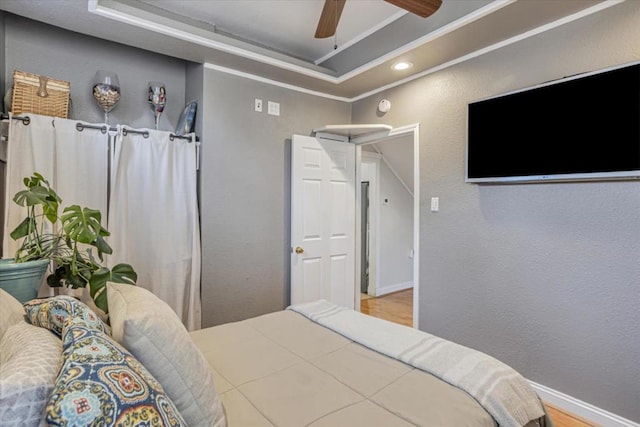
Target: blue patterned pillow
[(100, 383), (52, 313)]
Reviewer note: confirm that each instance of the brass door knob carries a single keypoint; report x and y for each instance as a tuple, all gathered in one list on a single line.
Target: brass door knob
[(299, 250)]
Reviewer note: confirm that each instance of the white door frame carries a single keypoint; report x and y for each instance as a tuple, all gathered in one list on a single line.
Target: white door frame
[(399, 131)]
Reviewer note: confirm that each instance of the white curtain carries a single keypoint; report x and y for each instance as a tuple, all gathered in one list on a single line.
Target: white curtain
[(81, 166), (153, 209), (74, 163), (30, 149), (153, 217)]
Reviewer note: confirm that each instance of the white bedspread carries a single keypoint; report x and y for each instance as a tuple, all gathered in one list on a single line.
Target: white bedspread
[(502, 391)]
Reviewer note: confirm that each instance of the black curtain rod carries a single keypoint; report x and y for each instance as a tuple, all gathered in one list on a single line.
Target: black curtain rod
[(103, 128)]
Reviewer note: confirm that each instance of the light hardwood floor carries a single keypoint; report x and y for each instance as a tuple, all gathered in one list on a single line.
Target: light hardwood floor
[(562, 418), (397, 307)]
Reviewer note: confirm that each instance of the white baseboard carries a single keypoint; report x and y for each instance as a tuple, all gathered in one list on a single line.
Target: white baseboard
[(580, 408), (393, 288)]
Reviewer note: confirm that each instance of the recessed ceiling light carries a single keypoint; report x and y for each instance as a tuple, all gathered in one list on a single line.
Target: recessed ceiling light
[(403, 65)]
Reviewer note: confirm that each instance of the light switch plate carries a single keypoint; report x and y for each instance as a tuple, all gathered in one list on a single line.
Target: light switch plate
[(273, 108), (435, 204)]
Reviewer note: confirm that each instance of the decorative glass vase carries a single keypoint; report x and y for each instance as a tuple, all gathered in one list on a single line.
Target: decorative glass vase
[(157, 99), (106, 91)]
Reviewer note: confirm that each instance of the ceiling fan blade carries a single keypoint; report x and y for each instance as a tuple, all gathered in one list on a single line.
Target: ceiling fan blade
[(329, 19), (422, 8)]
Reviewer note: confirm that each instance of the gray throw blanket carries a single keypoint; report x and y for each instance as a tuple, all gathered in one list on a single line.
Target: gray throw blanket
[(501, 391)]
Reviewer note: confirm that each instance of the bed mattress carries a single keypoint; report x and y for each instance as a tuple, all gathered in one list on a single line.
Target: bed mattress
[(282, 369)]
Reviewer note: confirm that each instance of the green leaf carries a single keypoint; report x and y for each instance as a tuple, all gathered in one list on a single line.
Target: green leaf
[(35, 179), (21, 230), (50, 209), (75, 281), (32, 196), (100, 300), (39, 195), (55, 280), (82, 224), (121, 273), (70, 275), (103, 247), (124, 273)]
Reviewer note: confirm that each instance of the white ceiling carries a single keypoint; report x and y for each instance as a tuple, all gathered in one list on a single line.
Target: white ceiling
[(287, 26), (273, 39)]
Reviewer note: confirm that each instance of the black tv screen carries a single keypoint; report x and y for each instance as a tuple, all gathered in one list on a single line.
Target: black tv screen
[(578, 128)]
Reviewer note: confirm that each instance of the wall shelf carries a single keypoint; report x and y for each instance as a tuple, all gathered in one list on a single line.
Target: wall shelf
[(351, 133)]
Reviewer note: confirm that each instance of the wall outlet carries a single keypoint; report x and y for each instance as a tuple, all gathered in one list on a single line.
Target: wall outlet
[(258, 105)]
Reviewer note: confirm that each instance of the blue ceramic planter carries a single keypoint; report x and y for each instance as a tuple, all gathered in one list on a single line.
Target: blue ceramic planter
[(22, 280)]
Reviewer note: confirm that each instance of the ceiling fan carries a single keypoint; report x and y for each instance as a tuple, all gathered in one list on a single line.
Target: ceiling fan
[(333, 9)]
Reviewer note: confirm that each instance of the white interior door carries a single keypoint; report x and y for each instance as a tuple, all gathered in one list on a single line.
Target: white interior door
[(322, 221)]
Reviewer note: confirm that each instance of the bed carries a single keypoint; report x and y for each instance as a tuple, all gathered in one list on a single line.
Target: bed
[(314, 364)]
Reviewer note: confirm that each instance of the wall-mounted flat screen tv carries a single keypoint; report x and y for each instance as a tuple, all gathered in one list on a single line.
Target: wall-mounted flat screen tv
[(584, 127)]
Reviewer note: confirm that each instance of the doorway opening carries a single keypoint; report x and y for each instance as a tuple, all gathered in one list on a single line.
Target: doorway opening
[(388, 226), (365, 239), (327, 250)]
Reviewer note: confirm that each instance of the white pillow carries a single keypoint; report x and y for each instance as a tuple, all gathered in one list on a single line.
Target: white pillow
[(29, 362), (11, 311), (154, 334)]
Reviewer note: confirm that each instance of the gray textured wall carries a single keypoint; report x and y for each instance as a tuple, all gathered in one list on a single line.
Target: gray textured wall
[(395, 232), (245, 192), (546, 277), (194, 81), (195, 92), (38, 48)]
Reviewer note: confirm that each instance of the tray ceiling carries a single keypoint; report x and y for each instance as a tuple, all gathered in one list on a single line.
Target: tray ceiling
[(273, 40)]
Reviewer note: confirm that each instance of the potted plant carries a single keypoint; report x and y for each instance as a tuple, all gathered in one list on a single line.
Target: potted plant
[(63, 242)]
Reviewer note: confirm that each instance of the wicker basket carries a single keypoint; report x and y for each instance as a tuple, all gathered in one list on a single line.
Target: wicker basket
[(39, 95)]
